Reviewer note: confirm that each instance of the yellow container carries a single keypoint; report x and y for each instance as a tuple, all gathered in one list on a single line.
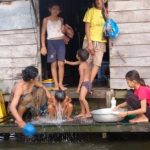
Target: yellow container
[(3, 112), (49, 83)]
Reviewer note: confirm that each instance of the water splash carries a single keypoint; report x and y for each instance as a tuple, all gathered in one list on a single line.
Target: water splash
[(46, 120)]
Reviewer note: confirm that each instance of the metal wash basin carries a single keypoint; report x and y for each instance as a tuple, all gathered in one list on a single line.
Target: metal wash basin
[(107, 115)]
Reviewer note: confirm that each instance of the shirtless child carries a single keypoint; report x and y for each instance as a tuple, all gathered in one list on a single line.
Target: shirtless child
[(64, 102), (84, 85)]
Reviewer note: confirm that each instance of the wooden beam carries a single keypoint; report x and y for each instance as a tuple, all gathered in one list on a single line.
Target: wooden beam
[(121, 5), (132, 39), (120, 72), (23, 51), (130, 16), (83, 127), (131, 51)]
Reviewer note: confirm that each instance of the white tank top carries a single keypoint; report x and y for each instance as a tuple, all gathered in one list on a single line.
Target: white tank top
[(54, 29)]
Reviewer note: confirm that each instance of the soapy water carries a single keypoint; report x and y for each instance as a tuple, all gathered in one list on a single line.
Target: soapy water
[(46, 119)]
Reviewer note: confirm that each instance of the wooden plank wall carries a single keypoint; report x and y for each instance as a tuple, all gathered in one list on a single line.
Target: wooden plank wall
[(133, 43), (18, 49)]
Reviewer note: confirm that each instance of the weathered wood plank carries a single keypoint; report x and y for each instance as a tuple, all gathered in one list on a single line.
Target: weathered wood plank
[(130, 51), (82, 126), (18, 39), (131, 62), (18, 31), (6, 85), (128, 5), (17, 62), (132, 39), (120, 72), (131, 16), (18, 51), (10, 73), (121, 83), (143, 27), (20, 14), (98, 92)]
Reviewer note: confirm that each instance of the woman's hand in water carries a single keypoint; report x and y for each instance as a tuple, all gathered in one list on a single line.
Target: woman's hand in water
[(116, 108), (123, 114), (43, 51)]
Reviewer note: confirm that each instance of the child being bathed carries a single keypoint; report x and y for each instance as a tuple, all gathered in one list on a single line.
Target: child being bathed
[(138, 100), (60, 102), (84, 85)]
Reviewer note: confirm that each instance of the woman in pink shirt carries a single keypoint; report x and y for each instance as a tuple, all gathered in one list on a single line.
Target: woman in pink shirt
[(138, 100)]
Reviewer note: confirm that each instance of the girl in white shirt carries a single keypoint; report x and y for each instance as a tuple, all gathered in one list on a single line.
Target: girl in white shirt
[(55, 50)]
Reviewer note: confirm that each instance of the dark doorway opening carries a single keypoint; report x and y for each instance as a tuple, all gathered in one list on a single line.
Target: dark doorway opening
[(73, 12)]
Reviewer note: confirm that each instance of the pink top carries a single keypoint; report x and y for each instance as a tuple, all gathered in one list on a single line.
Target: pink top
[(143, 92)]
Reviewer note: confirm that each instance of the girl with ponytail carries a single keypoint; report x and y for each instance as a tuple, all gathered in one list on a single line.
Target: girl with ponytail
[(138, 100)]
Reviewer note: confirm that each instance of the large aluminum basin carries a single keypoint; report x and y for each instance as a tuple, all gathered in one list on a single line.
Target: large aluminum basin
[(107, 115)]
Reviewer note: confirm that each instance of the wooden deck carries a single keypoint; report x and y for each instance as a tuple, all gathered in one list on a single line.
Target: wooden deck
[(79, 126), (98, 92)]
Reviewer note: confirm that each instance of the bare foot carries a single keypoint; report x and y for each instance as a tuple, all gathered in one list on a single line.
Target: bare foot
[(141, 118), (87, 116), (55, 88), (70, 119), (80, 115), (62, 87)]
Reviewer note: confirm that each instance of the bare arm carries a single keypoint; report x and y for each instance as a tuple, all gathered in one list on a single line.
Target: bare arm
[(122, 105), (13, 107), (38, 84), (90, 47), (43, 31), (141, 110), (72, 63)]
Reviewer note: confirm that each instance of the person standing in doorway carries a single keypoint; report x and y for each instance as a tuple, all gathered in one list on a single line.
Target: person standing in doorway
[(55, 50), (94, 41)]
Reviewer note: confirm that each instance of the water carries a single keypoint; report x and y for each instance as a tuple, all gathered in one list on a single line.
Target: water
[(46, 120), (97, 145)]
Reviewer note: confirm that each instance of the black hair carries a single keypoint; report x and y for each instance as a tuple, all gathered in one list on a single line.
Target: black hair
[(54, 4), (134, 75), (60, 96), (83, 54), (94, 3), (29, 73)]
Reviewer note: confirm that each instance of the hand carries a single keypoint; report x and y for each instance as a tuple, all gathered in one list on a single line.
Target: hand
[(43, 51), (78, 90), (90, 48), (21, 124), (116, 108), (123, 114), (49, 95)]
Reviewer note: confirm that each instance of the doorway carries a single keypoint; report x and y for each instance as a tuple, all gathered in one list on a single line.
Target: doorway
[(73, 12)]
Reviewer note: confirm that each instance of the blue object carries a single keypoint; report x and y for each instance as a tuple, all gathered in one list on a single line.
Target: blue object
[(29, 130), (111, 29)]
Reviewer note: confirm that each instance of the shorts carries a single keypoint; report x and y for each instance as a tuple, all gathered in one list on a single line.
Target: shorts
[(87, 85), (100, 49), (56, 50)]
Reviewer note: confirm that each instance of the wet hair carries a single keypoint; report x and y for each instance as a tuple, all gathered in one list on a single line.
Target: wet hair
[(134, 75), (83, 54), (60, 96), (29, 73)]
